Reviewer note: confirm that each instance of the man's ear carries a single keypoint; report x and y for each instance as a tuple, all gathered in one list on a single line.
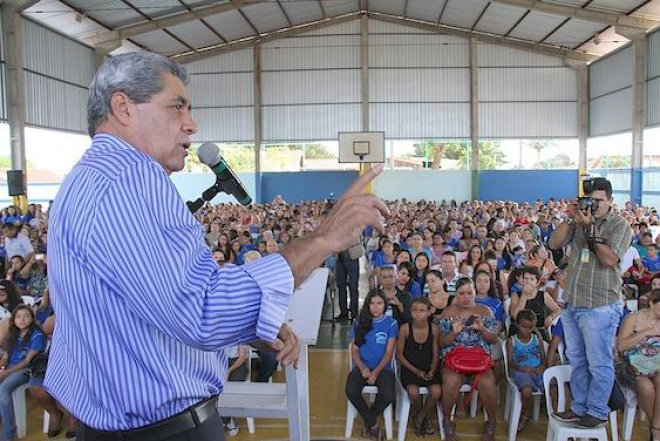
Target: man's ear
[(121, 107)]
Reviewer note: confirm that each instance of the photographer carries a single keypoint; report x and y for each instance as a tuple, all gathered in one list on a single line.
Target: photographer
[(598, 238)]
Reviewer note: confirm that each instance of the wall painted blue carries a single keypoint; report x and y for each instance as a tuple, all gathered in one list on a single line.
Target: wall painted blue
[(295, 186), (527, 185)]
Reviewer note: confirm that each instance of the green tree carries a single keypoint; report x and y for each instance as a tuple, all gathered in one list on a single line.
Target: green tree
[(560, 161), (5, 163), (239, 157), (539, 146), (490, 153), (318, 151)]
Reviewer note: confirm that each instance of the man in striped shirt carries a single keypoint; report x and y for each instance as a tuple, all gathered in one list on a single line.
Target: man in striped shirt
[(143, 310)]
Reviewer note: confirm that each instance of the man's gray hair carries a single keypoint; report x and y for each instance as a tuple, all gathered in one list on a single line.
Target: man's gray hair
[(137, 74)]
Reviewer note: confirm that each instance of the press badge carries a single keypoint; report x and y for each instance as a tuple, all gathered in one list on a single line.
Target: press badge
[(584, 255)]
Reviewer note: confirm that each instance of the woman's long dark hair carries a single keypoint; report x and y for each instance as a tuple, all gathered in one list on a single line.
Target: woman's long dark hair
[(412, 272), (14, 333), (365, 319), (13, 297)]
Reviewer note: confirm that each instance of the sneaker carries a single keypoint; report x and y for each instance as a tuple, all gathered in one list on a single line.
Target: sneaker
[(591, 422), (232, 428), (567, 417)]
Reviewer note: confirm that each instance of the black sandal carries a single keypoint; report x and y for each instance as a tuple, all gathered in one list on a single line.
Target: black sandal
[(427, 427), (489, 431), (450, 430)]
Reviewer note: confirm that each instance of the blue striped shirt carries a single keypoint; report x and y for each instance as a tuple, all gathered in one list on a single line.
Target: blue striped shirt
[(143, 310)]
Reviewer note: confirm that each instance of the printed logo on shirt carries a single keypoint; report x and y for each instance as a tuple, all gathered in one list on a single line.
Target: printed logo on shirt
[(381, 338)]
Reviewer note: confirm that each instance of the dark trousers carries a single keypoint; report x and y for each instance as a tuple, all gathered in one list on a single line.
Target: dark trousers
[(385, 397), (210, 430), (348, 275), (267, 366)]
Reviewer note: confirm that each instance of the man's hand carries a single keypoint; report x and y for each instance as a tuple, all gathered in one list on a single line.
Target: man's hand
[(352, 213), (580, 217), (287, 346)]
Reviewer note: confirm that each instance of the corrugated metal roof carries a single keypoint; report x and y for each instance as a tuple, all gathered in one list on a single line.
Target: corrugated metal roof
[(573, 33), (498, 19), (303, 12), (196, 34), (393, 7), (272, 15), (536, 25), (428, 10), (161, 42), (230, 25), (339, 7), (463, 13), (266, 17)]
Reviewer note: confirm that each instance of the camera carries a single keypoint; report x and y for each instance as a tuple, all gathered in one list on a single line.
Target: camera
[(587, 203)]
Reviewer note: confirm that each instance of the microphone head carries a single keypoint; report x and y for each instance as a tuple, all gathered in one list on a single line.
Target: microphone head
[(209, 154)]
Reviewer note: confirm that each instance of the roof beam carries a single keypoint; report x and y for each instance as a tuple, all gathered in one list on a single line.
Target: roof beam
[(169, 21), (244, 43), (530, 46), (608, 18)]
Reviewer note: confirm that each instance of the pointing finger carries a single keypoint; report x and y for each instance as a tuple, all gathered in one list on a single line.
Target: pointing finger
[(358, 186)]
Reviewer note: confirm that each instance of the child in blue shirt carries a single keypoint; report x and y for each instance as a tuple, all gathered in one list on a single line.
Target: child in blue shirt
[(24, 341), (652, 261), (373, 338), (526, 361)]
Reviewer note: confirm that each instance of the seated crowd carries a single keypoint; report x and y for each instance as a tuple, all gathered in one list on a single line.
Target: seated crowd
[(445, 279)]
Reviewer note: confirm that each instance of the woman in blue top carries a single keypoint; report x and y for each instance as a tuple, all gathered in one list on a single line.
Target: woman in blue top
[(405, 281), (374, 338), (24, 341)]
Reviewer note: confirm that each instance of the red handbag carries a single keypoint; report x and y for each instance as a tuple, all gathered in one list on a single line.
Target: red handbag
[(469, 361)]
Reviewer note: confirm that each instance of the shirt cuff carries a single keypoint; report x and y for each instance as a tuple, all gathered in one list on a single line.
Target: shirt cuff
[(274, 277)]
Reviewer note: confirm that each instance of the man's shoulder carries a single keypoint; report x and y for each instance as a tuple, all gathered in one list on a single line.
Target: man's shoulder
[(110, 157)]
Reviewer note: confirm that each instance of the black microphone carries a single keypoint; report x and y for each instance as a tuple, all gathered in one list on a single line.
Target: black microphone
[(209, 154)]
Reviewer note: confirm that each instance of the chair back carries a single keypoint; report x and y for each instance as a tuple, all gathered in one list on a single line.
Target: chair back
[(562, 374)]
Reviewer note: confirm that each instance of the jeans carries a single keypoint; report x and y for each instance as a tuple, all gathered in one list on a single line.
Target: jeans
[(348, 275), (7, 386), (385, 396), (267, 366), (589, 336)]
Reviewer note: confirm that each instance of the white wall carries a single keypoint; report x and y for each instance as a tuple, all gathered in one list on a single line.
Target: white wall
[(424, 184)]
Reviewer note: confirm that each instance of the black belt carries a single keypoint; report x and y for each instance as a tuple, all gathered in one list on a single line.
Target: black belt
[(174, 425)]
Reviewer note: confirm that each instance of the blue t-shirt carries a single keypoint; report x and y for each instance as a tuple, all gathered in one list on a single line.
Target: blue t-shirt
[(415, 290), (652, 265), (20, 351), (374, 346), (526, 354), (378, 259), (495, 306)]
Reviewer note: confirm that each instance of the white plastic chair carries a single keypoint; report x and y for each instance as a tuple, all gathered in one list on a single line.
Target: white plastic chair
[(513, 403), (403, 403), (558, 430), (20, 410), (351, 411), (250, 420)]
